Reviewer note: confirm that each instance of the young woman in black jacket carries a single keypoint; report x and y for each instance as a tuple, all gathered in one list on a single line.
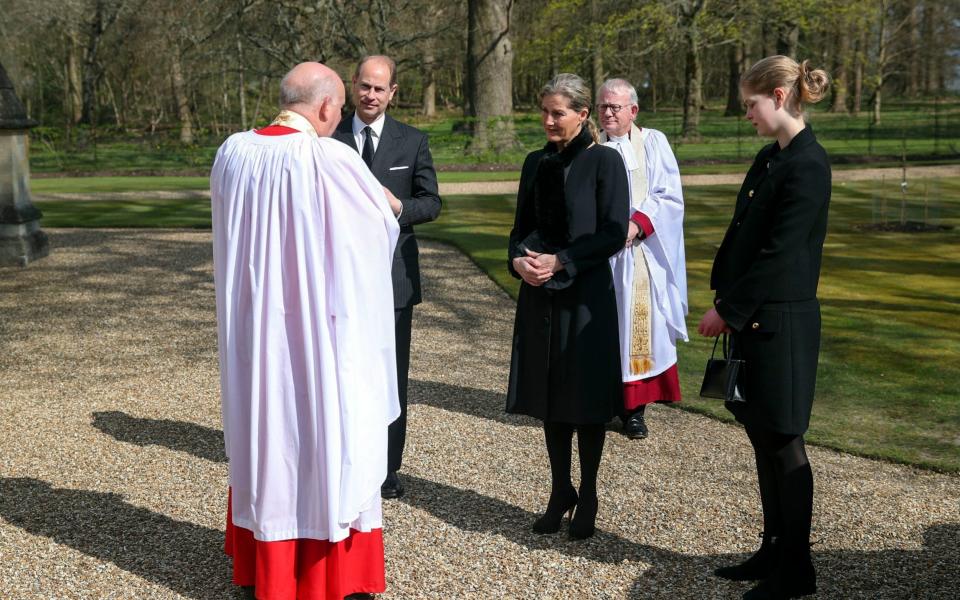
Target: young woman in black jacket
[(765, 275)]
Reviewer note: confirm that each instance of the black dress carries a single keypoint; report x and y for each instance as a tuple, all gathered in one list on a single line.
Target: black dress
[(765, 275), (565, 365)]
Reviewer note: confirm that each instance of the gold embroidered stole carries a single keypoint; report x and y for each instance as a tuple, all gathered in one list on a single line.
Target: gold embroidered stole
[(641, 326), (288, 118)]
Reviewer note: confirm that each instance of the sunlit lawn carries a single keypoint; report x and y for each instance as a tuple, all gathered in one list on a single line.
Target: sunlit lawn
[(921, 128), (890, 361), (106, 185), (891, 304)]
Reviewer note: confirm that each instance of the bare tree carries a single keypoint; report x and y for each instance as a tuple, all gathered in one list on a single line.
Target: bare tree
[(688, 23), (489, 76)]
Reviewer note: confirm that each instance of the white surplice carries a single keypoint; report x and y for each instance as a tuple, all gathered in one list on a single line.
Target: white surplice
[(655, 191), (303, 246)]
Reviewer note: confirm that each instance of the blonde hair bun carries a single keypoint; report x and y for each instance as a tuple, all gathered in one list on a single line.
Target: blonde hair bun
[(780, 71), (812, 83)]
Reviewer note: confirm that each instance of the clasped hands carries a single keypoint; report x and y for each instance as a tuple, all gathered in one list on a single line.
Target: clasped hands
[(537, 269)]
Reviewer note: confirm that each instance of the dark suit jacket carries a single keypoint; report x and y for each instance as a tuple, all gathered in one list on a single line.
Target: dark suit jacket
[(765, 275), (403, 165)]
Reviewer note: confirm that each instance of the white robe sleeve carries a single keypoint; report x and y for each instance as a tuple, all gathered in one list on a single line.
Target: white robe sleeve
[(665, 248)]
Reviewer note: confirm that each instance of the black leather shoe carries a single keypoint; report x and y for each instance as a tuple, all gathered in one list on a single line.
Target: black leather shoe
[(391, 488), (560, 503), (794, 576), (584, 519), (636, 427), (759, 566)]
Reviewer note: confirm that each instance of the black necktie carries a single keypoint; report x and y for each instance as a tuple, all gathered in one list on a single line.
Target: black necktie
[(367, 153)]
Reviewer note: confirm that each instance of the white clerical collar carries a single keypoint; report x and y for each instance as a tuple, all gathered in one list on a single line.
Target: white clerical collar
[(619, 138), (623, 145), (376, 126), (293, 120)]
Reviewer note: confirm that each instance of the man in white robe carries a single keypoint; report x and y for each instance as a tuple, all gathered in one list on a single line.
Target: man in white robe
[(650, 272), (303, 246)]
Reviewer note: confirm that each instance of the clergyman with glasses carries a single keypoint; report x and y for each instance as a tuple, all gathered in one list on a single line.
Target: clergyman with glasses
[(650, 273)]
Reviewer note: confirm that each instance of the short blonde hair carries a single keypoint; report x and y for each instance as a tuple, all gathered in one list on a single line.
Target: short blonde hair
[(809, 85)]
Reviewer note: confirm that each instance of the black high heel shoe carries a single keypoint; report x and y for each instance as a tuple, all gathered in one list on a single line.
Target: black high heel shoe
[(558, 505), (584, 519)]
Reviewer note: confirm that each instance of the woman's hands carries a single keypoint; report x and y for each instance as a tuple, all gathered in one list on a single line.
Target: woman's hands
[(712, 324), (537, 269)]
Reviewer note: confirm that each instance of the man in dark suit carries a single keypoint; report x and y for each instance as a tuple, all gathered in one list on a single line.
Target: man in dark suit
[(399, 157)]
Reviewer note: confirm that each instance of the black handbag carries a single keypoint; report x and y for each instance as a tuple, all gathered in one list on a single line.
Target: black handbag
[(722, 377)]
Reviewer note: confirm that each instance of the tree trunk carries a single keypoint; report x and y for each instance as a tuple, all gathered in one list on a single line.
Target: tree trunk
[(840, 61), (788, 38), (693, 69), (597, 74), (654, 82), (117, 113), (881, 61), (92, 70), (180, 95), (429, 108), (734, 66), (861, 59), (241, 84), (914, 61), (490, 71), (74, 86)]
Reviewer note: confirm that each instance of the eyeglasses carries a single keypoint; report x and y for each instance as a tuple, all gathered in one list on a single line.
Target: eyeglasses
[(614, 108)]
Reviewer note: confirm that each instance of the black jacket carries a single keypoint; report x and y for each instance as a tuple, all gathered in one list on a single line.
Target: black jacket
[(565, 364), (765, 275), (403, 165)]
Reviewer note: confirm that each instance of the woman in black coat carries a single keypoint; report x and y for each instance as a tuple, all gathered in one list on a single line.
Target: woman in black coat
[(565, 369), (765, 275)]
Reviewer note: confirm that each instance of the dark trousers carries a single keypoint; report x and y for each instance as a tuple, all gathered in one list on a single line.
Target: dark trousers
[(397, 433)]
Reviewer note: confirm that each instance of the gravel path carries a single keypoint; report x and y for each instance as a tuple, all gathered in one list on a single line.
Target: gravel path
[(510, 187), (113, 481)]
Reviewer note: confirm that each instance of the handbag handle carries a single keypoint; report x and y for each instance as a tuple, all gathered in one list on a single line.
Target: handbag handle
[(727, 346)]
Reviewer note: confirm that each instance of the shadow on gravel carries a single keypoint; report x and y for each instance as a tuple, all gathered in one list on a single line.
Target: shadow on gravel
[(178, 555), (466, 400), (475, 402), (471, 511), (927, 573), (202, 442)]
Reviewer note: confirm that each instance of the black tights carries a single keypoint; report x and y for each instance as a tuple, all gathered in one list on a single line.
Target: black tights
[(786, 485), (559, 437)]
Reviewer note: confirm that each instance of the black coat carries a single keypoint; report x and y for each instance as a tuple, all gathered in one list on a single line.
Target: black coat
[(765, 275), (565, 365), (403, 165)]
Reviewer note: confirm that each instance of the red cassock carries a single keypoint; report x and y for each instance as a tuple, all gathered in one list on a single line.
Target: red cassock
[(305, 569), (664, 387)]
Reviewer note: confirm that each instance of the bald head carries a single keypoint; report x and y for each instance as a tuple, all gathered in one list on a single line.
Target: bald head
[(309, 83), (313, 89)]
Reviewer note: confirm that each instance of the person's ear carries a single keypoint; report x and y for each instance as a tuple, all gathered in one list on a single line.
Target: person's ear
[(779, 96)]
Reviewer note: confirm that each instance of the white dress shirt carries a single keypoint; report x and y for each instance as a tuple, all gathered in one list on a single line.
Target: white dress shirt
[(375, 133)]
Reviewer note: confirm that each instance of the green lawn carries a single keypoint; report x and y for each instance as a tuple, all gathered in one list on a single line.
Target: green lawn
[(891, 316), (101, 185), (930, 132), (891, 304)]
